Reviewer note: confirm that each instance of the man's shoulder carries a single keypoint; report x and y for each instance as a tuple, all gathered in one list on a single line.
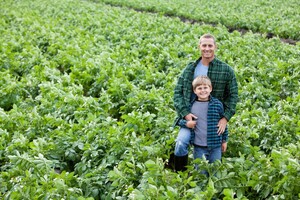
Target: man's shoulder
[(190, 67), (193, 63), (222, 64), (217, 61)]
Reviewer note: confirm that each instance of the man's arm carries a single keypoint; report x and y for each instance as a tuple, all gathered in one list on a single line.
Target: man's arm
[(232, 98), (183, 91), (179, 103)]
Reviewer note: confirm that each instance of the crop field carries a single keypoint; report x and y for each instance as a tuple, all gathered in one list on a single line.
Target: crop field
[(86, 98), (271, 18)]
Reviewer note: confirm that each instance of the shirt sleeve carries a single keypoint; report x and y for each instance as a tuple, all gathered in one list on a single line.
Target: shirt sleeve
[(232, 98), (225, 134), (182, 123), (179, 100)]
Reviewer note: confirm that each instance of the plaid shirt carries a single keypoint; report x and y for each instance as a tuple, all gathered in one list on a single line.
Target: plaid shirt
[(224, 87), (214, 114)]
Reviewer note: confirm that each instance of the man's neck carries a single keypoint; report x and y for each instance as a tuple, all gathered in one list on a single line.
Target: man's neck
[(206, 61)]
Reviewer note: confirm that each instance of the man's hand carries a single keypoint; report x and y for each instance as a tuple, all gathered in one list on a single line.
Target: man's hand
[(222, 125), (190, 117)]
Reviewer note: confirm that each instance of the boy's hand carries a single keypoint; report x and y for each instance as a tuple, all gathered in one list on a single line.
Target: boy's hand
[(224, 147), (222, 125), (191, 124)]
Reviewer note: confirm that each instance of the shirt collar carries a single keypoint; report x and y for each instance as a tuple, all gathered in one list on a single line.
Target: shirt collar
[(210, 99), (199, 59)]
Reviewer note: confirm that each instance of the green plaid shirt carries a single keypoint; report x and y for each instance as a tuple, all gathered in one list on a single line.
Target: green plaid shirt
[(224, 88)]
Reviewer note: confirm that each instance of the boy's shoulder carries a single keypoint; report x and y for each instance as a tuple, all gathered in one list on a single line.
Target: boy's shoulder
[(215, 100)]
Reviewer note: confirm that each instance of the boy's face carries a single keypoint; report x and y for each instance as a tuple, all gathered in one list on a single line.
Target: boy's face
[(203, 91)]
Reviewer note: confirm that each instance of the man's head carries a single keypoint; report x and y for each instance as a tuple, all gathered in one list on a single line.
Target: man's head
[(202, 87), (207, 46)]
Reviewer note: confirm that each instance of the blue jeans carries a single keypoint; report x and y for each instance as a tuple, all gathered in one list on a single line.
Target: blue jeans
[(183, 140), (210, 154)]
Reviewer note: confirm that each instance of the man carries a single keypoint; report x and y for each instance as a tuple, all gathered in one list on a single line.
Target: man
[(224, 87)]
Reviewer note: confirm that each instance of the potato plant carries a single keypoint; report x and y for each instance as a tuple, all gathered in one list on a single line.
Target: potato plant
[(86, 107)]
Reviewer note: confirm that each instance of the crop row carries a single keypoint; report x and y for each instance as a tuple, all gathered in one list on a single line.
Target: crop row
[(278, 18), (87, 111)]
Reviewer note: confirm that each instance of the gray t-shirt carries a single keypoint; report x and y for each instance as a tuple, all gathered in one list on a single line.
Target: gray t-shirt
[(200, 109), (200, 70)]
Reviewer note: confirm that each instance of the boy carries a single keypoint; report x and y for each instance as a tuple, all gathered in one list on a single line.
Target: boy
[(202, 131)]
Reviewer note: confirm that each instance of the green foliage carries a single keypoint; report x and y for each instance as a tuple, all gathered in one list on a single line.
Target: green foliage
[(256, 16), (86, 108)]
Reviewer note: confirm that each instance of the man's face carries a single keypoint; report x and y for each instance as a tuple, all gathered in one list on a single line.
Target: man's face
[(207, 48)]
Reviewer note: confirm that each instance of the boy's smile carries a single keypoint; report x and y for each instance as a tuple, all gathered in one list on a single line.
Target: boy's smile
[(203, 92)]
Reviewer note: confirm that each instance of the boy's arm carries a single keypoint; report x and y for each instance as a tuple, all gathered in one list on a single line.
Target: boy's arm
[(224, 147), (187, 124), (182, 123), (222, 125), (224, 140), (225, 135)]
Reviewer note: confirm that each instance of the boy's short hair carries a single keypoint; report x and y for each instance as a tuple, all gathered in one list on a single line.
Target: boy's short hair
[(201, 80)]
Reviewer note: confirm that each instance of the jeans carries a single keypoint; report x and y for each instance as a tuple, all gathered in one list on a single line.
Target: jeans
[(211, 154), (184, 138)]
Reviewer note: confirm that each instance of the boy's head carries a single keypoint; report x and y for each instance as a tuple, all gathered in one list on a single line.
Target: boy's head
[(201, 80), (202, 87)]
